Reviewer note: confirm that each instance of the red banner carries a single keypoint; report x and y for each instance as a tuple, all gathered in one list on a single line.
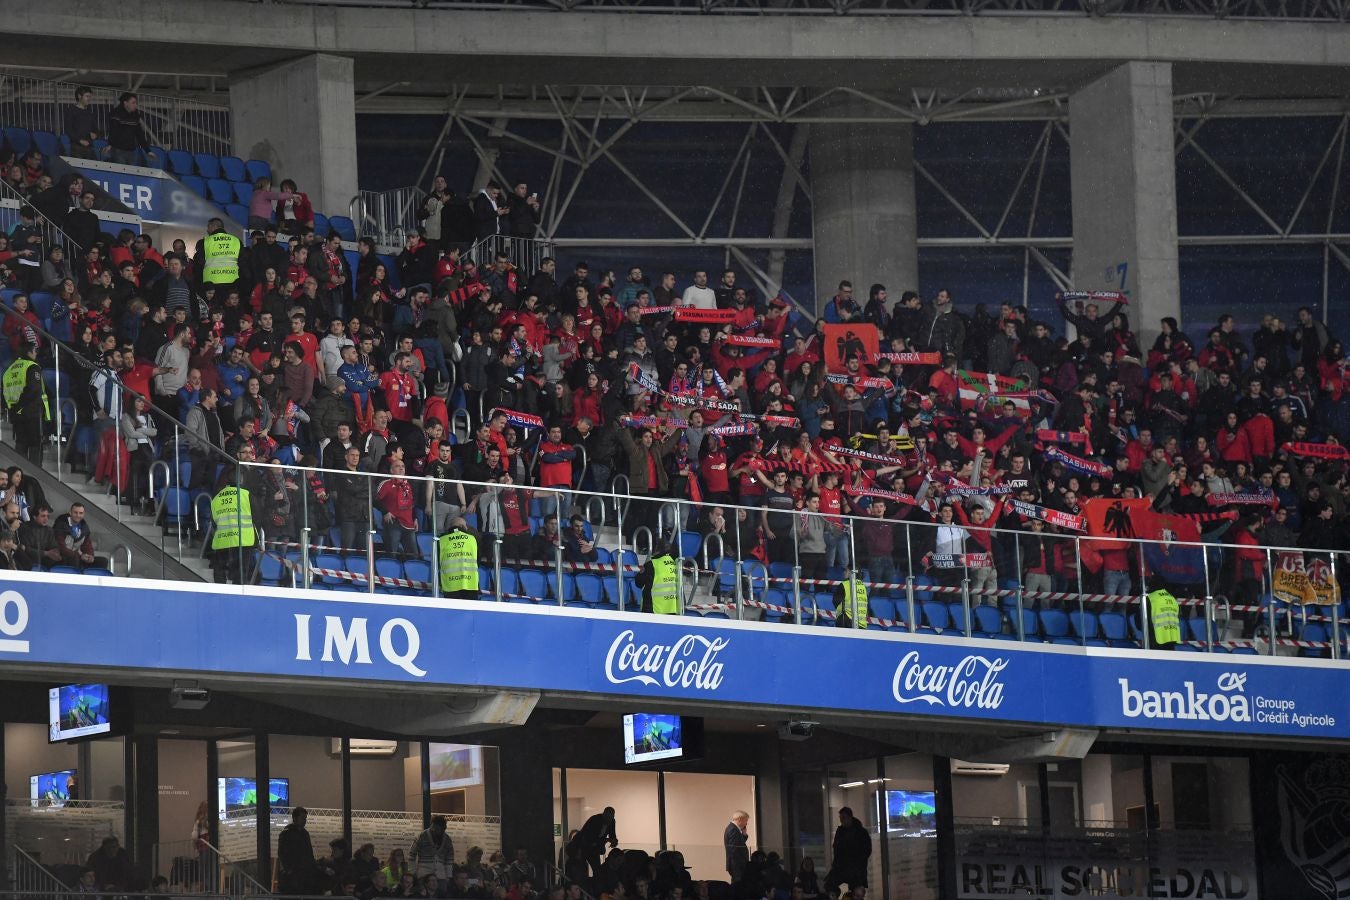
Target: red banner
[(1112, 518), (843, 341), (1321, 451), (1095, 297), (704, 316), (913, 359)]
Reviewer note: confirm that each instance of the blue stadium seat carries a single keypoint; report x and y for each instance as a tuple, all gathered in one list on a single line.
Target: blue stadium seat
[(988, 621), (208, 164), (99, 571), (958, 616), (780, 570), (936, 616), (569, 586), (194, 183), (776, 598), (47, 143), (1189, 648), (1084, 624), (344, 226), (64, 570), (612, 592), (321, 229), (417, 570), (180, 162), (221, 191), (590, 589), (257, 168), (327, 561), (1114, 629), (690, 541), (243, 192), (238, 212), (357, 565), (177, 508), (922, 581), (18, 139), (1054, 623), (880, 608), (157, 157), (824, 601), (232, 167), (533, 584), (388, 567), (604, 557), (424, 544), (101, 148), (41, 304), (270, 569), (1031, 624), (725, 570)]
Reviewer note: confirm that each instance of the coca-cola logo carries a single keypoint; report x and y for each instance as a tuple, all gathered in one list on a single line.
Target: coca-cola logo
[(688, 662), (972, 683)]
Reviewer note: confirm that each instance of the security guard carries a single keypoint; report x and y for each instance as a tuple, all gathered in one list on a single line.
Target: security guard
[(660, 588), (1166, 617), (26, 400), (850, 603), (221, 252), (457, 559), (232, 513)]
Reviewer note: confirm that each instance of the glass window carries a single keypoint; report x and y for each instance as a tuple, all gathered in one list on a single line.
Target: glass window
[(856, 786), (698, 808), (633, 796), (911, 827)]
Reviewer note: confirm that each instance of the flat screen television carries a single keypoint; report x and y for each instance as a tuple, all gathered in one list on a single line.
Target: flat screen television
[(77, 711), (455, 766), (911, 813), (242, 793), (52, 788), (652, 737)]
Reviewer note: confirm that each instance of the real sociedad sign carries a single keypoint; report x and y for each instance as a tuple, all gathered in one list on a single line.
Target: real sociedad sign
[(150, 626)]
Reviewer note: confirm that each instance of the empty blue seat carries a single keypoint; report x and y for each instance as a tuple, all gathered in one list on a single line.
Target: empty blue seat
[(194, 183), (417, 570), (18, 139), (775, 597), (590, 589), (330, 561), (238, 212), (64, 570), (388, 567), (180, 162), (936, 616), (690, 541), (1113, 627), (424, 544), (604, 557), (1194, 627), (612, 592), (243, 192), (41, 304), (533, 584), (220, 191), (344, 226), (270, 569), (988, 620), (99, 571), (357, 565), (208, 164), (780, 570), (157, 157), (1054, 623), (257, 168), (232, 167), (1084, 624), (47, 143), (958, 616), (321, 227)]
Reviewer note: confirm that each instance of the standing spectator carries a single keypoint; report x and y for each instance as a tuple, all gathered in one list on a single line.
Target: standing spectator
[(523, 216), (81, 225), (297, 871), (487, 213), (125, 133), (734, 840), (80, 124), (433, 852), (698, 294), (852, 849), (395, 501)]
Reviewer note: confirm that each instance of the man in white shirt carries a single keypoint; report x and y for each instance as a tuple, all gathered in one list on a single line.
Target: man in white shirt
[(698, 294), (330, 348)]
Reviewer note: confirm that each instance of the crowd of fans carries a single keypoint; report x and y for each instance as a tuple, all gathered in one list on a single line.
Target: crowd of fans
[(309, 361)]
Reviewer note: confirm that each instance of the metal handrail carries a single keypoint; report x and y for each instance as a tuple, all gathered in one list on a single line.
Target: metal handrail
[(112, 559), (66, 243)]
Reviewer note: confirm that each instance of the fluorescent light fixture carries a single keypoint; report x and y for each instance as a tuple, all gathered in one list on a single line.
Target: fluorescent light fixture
[(853, 784)]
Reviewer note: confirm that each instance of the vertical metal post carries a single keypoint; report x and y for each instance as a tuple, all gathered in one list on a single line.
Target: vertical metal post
[(618, 557), (965, 599), (909, 580), (1078, 565), (678, 540), (1271, 608), (177, 479), (56, 350), (736, 570), (305, 530), (435, 567), (118, 487), (1209, 624), (797, 576), (1020, 594), (1144, 623), (370, 536), (306, 577), (497, 566), (558, 570), (1335, 612)]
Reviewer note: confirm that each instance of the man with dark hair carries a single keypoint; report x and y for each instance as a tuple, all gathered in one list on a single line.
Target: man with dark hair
[(80, 125), (297, 872), (488, 211), (852, 849), (125, 133), (80, 224)]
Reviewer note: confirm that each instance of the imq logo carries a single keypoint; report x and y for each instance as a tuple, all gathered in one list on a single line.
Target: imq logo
[(349, 642), (13, 622)]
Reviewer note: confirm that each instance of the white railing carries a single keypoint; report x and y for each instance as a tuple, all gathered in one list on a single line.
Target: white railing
[(170, 122), (525, 254), (62, 835), (387, 216), (189, 868)]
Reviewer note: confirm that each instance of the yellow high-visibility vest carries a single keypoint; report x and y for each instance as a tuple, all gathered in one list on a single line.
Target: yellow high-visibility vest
[(232, 511), (855, 603), (222, 258), (1166, 616), (457, 559), (665, 593), (16, 376)]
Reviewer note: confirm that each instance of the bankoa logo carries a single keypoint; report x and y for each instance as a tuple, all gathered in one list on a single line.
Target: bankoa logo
[(13, 622), (1189, 703), (973, 683), (690, 661)]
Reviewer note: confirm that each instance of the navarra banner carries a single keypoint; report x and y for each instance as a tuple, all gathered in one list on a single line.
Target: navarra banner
[(973, 386), (843, 341)]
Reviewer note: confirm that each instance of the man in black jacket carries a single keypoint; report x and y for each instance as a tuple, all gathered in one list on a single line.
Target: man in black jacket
[(297, 872), (734, 841), (523, 212), (80, 124), (488, 211), (852, 849), (125, 133), (81, 225)]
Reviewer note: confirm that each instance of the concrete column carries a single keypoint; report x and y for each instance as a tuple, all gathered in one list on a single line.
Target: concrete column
[(1123, 178), (862, 203), (301, 118)]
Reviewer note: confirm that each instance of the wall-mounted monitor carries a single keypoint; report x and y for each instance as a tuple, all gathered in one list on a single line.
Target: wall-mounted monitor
[(455, 766), (77, 711), (652, 737), (911, 813), (52, 788), (242, 793)]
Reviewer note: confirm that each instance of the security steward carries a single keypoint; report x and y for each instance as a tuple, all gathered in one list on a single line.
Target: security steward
[(660, 586), (232, 513), (26, 400), (850, 603), (1165, 614), (220, 250), (457, 560)]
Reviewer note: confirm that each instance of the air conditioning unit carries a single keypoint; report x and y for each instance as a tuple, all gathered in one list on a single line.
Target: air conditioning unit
[(961, 767), (366, 747)]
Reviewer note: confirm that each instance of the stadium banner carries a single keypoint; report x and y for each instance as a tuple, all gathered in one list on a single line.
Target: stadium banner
[(130, 626), (153, 195), (853, 339)]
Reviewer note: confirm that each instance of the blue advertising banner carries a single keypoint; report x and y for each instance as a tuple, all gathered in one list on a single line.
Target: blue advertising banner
[(147, 625), (152, 194)]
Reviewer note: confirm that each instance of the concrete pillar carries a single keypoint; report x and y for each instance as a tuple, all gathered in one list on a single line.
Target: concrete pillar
[(1123, 178), (300, 117), (862, 203)]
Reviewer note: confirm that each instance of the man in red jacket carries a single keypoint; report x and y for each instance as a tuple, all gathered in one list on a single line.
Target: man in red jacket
[(555, 460)]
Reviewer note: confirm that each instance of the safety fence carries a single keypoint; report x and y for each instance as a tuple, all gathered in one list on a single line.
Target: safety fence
[(982, 586)]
